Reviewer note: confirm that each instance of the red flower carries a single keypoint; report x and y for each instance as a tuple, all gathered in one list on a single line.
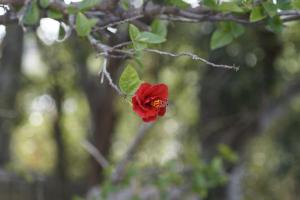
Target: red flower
[(149, 101)]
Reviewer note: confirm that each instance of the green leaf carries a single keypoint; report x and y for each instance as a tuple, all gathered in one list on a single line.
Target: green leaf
[(236, 29), (133, 32), (210, 3), (227, 153), (151, 38), (139, 62), (84, 25), (87, 4), (270, 8), (72, 9), (229, 7), (44, 3), (296, 4), (284, 4), (159, 28), (178, 3), (220, 39), (32, 14), (275, 24), (129, 80), (125, 4), (54, 14), (257, 14)]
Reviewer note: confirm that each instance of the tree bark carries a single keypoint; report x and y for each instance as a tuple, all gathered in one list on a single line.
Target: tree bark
[(10, 74), (101, 99)]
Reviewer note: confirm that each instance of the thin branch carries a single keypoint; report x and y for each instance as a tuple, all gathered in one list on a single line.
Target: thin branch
[(105, 73), (130, 53), (193, 56), (118, 174), (124, 44), (91, 149), (122, 21)]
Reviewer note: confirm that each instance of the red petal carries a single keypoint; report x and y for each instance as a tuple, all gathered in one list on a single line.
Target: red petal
[(137, 108), (162, 111), (150, 119), (159, 90), (142, 111), (143, 87)]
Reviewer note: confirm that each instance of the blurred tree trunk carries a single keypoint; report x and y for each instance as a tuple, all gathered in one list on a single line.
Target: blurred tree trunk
[(232, 103), (61, 161), (55, 69), (101, 99), (61, 158), (10, 73)]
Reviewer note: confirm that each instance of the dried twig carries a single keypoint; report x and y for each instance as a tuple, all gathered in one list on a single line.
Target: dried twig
[(131, 52), (193, 56), (122, 21), (95, 153), (118, 174), (105, 73)]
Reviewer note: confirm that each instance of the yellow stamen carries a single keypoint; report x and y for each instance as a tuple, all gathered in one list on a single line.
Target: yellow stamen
[(156, 103)]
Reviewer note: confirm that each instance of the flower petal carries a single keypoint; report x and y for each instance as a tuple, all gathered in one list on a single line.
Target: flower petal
[(159, 90), (142, 111), (150, 119), (143, 87), (137, 108), (162, 111)]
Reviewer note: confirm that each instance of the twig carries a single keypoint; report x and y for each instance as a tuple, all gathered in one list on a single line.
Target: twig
[(91, 149), (104, 67), (123, 21), (118, 174), (105, 73), (118, 46), (193, 56), (130, 53)]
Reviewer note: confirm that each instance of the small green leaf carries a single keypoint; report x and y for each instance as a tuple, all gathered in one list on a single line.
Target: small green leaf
[(151, 38), (210, 3), (178, 3), (125, 4), (84, 25), (54, 14), (44, 3), (236, 29), (72, 9), (133, 32), (129, 80), (227, 153), (275, 24), (138, 60), (159, 28), (32, 14), (220, 39), (229, 7), (270, 8), (296, 4), (87, 4), (284, 4), (257, 14)]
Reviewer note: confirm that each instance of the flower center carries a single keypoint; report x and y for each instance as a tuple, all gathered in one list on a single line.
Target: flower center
[(157, 103)]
